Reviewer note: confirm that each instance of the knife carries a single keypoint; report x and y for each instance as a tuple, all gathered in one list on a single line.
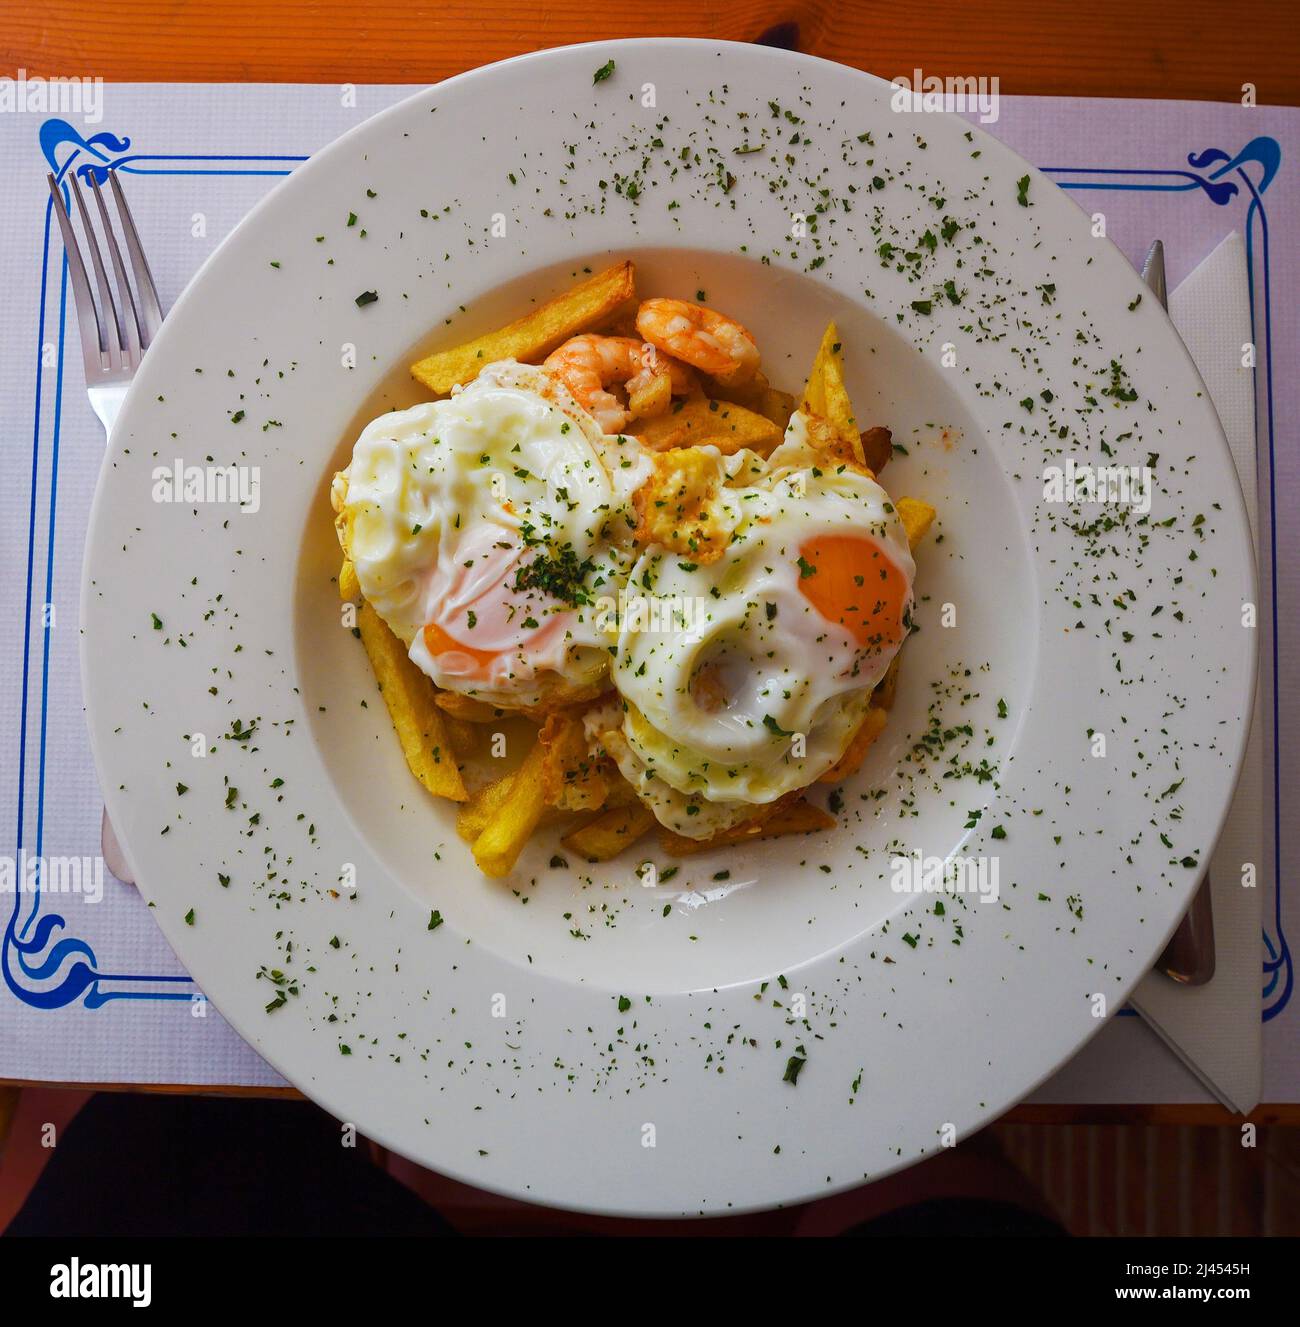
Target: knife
[(1188, 958)]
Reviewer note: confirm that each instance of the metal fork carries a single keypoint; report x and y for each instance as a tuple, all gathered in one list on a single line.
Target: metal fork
[(1189, 957), (114, 336)]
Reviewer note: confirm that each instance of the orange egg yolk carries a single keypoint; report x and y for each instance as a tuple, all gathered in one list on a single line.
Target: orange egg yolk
[(438, 642), (852, 582)]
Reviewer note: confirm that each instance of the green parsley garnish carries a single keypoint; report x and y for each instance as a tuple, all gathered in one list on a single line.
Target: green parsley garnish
[(558, 573)]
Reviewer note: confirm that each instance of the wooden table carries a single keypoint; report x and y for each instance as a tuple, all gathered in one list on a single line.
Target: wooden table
[(1196, 49), (1203, 49)]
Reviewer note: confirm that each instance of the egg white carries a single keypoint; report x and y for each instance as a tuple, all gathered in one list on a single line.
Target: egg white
[(441, 498), (780, 667)]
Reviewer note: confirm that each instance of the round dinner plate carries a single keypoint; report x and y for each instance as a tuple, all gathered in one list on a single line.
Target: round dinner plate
[(769, 1023)]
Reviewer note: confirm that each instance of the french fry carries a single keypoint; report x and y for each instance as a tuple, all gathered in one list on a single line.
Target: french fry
[(827, 397), (699, 422), (349, 586), (872, 725), (757, 395), (564, 694), (653, 399), (917, 517), (798, 817), (609, 833), (589, 306), (572, 779), (508, 829), (476, 813), (408, 694), (467, 708)]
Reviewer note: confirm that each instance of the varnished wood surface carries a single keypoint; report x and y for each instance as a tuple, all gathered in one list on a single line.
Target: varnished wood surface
[(1201, 49)]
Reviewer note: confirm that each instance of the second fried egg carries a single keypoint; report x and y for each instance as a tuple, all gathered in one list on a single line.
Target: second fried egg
[(752, 656)]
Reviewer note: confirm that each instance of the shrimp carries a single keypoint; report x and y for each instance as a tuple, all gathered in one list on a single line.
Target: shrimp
[(709, 341), (589, 365)]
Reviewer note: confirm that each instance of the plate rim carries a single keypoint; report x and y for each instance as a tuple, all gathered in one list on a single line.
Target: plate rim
[(319, 162)]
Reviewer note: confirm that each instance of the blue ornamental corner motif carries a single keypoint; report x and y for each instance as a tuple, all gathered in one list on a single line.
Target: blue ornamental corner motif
[(55, 134), (39, 961), (1265, 152)]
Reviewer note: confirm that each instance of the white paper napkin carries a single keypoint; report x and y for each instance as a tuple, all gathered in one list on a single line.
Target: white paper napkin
[(1215, 1029)]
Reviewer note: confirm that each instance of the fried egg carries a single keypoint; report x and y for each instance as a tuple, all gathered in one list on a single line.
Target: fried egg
[(486, 529), (772, 601)]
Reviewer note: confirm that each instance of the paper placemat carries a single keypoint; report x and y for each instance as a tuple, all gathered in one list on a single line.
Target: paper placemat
[(92, 991)]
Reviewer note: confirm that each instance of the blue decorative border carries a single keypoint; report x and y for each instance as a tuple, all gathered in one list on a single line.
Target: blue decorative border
[(1220, 178), (41, 966), (29, 944)]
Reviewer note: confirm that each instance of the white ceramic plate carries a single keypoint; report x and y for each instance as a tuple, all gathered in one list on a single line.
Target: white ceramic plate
[(573, 1037)]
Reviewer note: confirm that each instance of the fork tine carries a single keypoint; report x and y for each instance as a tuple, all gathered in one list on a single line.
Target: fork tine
[(149, 309), (126, 300), (92, 341), (108, 323)]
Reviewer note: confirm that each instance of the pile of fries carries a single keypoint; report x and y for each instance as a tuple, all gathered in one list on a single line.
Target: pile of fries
[(441, 731)]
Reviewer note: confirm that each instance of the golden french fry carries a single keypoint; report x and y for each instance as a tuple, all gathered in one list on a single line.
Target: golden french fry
[(467, 708), (408, 694), (872, 725), (475, 814), (349, 586), (572, 779), (698, 422), (826, 395), (798, 817), (653, 399), (757, 395), (917, 517), (589, 306), (563, 694), (503, 838), (822, 436), (610, 832)]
